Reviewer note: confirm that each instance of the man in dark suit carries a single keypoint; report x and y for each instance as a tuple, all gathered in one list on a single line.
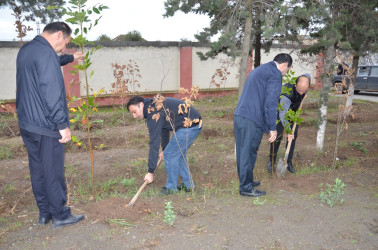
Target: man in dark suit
[(255, 114), (44, 122)]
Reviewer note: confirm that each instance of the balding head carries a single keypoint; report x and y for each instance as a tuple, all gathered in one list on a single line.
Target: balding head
[(303, 84)]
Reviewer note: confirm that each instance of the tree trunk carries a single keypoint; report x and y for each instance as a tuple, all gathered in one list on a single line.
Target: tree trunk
[(323, 103), (257, 45), (349, 101), (245, 47)]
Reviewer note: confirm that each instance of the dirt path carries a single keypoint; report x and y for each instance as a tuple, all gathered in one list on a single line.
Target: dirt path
[(287, 220), (291, 216)]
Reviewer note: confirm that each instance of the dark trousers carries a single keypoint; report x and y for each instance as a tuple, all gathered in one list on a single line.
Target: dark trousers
[(274, 146), (46, 164), (248, 136)]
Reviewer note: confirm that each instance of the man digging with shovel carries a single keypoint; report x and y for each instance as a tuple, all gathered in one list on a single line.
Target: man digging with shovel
[(163, 115), (289, 101)]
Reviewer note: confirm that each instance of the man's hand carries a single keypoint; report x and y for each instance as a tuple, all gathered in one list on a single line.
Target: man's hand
[(290, 137), (66, 135), (272, 136), (149, 178), (161, 156), (78, 56)]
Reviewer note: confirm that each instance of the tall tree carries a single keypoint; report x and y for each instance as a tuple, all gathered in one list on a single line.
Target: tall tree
[(359, 31), (240, 24), (342, 25), (104, 38), (130, 36), (35, 9)]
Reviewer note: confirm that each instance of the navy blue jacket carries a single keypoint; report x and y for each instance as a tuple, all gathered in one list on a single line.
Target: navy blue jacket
[(159, 129), (41, 96), (259, 99), (66, 59)]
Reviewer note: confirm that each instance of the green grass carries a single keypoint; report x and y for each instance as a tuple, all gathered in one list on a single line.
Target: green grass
[(9, 188), (359, 146), (222, 147), (305, 170), (71, 170), (140, 165), (192, 159), (6, 153), (363, 134), (128, 182), (215, 102), (350, 162)]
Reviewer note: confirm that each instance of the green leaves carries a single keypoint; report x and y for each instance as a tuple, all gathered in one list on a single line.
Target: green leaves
[(292, 117), (169, 214), (96, 10), (333, 193)]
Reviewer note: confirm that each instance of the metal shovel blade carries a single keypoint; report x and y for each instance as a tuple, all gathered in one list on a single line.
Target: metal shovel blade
[(281, 168)]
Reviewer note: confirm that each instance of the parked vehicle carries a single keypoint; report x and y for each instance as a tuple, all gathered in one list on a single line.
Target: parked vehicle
[(366, 80)]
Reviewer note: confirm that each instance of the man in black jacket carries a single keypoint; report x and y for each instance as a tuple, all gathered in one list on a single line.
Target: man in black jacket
[(163, 115), (44, 122), (289, 101)]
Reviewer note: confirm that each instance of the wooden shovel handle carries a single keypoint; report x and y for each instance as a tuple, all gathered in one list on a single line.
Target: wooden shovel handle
[(131, 203), (293, 130)]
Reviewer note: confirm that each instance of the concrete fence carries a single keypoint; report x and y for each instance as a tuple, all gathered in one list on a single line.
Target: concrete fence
[(164, 67)]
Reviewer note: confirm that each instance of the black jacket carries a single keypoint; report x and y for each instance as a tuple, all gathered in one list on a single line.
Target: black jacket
[(159, 129), (66, 59), (41, 96)]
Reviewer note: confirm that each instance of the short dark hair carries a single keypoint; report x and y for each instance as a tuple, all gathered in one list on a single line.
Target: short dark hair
[(58, 26), (283, 58), (135, 100)]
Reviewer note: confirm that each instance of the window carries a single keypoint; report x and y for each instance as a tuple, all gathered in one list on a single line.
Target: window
[(374, 71), (363, 71)]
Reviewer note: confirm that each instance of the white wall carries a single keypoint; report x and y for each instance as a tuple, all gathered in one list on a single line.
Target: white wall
[(159, 65), (301, 64), (203, 71), (154, 63), (8, 58)]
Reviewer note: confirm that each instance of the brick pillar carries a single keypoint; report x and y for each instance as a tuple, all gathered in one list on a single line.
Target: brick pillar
[(250, 63), (71, 81), (319, 71), (186, 68)]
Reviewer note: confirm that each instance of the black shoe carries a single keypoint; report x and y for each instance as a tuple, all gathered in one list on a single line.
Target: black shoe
[(184, 188), (269, 167), (44, 220), (290, 167), (255, 183), (70, 220), (253, 193), (166, 191)]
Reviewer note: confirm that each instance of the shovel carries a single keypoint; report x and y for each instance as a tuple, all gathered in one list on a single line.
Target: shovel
[(131, 203), (282, 164)]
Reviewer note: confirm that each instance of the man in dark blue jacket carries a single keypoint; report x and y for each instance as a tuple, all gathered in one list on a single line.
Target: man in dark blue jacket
[(255, 114), (291, 100), (69, 58), (44, 122), (162, 116)]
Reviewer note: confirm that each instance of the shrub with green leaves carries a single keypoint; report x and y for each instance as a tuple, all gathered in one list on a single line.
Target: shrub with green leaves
[(333, 193), (169, 214)]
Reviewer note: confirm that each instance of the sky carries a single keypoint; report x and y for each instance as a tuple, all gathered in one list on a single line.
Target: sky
[(145, 16)]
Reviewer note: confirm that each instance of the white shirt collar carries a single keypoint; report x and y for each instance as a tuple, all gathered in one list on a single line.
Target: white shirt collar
[(276, 65)]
